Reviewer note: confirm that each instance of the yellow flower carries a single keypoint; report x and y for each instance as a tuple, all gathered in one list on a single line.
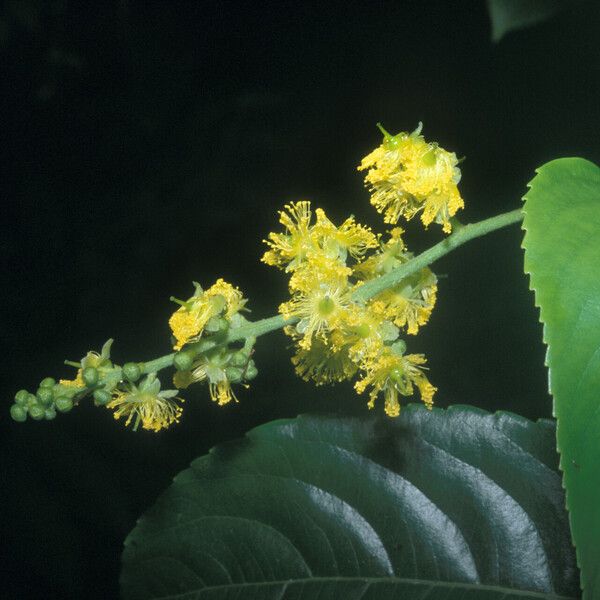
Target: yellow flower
[(407, 175), (234, 299), (211, 368), (146, 404), (349, 238), (365, 332), (390, 256), (319, 307), (188, 321), (324, 362), (292, 247), (395, 374), (408, 304), (317, 269)]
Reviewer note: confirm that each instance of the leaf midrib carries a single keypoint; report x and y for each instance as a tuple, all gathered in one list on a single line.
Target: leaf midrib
[(368, 581)]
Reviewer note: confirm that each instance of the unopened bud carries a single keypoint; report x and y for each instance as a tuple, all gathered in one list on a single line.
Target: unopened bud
[(44, 395), (64, 404), (21, 397), (102, 397), (183, 360), (251, 371), (18, 413), (240, 359), (234, 374), (36, 412), (131, 371), (90, 376)]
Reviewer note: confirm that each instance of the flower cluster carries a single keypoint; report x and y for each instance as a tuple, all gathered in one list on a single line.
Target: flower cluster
[(407, 175), (337, 337), (199, 329), (109, 385), (343, 324)]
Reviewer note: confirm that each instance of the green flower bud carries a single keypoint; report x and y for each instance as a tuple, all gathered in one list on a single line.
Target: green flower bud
[(234, 374), (18, 413), (49, 414), (37, 412), (44, 396), (131, 371), (102, 397), (251, 371), (90, 376), (48, 382), (21, 397), (32, 400), (183, 360), (240, 359), (399, 347), (217, 324), (64, 404)]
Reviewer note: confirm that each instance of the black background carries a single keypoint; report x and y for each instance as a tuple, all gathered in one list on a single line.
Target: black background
[(147, 145)]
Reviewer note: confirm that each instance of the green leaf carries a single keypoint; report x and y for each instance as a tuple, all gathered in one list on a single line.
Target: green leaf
[(509, 15), (562, 255), (453, 503)]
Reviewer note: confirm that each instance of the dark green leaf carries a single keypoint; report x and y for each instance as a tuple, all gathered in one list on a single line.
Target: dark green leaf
[(432, 503), (562, 254)]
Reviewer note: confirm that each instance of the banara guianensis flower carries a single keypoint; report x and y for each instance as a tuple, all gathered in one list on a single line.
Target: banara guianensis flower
[(407, 175), (146, 404), (195, 314), (393, 374)]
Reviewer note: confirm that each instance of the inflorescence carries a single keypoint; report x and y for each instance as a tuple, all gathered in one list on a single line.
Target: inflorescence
[(337, 336)]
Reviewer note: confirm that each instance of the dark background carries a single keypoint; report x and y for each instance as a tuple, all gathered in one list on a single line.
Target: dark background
[(150, 144)]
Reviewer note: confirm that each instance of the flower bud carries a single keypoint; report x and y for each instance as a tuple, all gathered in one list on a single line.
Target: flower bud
[(49, 414), (90, 376), (44, 396), (240, 359), (102, 397), (18, 413), (251, 371), (131, 371), (48, 382), (234, 374), (21, 397), (36, 412), (183, 360), (32, 400), (399, 347), (217, 324), (63, 404)]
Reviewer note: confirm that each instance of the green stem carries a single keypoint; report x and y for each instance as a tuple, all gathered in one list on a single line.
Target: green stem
[(462, 235), (372, 288)]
